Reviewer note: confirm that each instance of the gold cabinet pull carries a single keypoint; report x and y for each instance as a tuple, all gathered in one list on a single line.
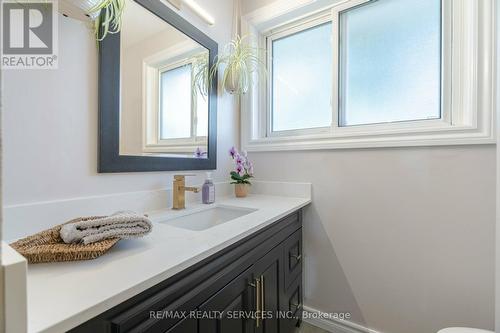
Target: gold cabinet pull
[(258, 302), (263, 294)]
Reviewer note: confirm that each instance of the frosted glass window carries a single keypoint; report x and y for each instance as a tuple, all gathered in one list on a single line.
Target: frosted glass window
[(202, 115), (175, 103), (302, 79), (390, 63)]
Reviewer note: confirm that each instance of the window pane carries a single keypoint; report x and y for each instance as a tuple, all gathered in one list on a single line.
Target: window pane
[(302, 80), (175, 103), (202, 114), (390, 62)]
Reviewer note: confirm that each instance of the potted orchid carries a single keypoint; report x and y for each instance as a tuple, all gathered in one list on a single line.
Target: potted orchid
[(242, 173), (199, 153)]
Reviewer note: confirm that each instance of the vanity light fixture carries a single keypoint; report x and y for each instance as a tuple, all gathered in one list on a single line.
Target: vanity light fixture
[(195, 7), (176, 3), (76, 9)]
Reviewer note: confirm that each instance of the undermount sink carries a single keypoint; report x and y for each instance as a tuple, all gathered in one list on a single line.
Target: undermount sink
[(209, 218)]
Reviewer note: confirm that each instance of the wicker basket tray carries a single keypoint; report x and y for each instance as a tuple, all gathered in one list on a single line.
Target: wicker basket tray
[(47, 246)]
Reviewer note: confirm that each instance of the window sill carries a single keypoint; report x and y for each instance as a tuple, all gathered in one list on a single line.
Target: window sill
[(462, 137), (174, 147)]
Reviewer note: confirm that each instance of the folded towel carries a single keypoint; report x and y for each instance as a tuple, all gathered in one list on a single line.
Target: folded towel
[(123, 224)]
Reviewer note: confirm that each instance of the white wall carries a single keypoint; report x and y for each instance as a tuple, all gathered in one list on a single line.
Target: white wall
[(403, 239), (50, 123)]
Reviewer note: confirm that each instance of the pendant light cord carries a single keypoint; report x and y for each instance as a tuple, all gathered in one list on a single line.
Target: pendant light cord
[(236, 18)]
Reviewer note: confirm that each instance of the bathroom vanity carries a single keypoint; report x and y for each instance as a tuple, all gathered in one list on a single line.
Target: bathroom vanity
[(235, 255), (260, 274)]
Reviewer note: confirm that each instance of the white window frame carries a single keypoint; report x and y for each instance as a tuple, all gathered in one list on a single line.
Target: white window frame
[(271, 36), (468, 83), (177, 56)]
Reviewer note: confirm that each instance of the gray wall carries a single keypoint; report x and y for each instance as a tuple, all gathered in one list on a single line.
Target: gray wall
[(404, 239)]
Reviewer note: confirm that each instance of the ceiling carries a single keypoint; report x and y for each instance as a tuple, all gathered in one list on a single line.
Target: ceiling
[(139, 24)]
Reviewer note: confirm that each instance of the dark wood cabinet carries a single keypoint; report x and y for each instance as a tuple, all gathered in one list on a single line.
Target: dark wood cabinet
[(292, 256), (252, 286), (187, 325), (269, 270), (235, 298)]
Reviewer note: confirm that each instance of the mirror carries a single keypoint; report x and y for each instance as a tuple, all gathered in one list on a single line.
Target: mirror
[(162, 114), (164, 100)]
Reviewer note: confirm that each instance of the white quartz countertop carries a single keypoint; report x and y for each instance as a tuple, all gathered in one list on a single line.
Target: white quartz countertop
[(63, 295)]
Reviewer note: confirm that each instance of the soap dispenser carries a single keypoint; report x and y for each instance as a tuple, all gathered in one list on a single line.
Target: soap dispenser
[(208, 190)]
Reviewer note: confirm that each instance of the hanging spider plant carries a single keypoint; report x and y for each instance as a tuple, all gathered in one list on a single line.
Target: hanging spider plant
[(200, 84), (108, 17), (241, 60), (201, 78)]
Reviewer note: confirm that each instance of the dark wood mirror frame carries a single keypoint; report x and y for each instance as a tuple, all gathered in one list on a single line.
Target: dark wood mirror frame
[(110, 159)]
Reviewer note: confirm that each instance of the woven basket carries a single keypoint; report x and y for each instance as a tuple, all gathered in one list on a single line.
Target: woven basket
[(47, 246)]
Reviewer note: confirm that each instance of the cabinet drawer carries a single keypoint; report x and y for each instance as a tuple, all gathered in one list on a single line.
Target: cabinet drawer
[(293, 257), (292, 305)]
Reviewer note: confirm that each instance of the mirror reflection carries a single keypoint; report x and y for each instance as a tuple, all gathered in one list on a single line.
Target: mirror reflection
[(164, 94)]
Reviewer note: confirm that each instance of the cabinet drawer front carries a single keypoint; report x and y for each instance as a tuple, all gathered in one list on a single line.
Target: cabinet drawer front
[(292, 306), (293, 257), (294, 297)]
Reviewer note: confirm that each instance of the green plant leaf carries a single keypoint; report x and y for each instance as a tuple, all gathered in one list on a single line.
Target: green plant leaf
[(108, 17), (235, 175)]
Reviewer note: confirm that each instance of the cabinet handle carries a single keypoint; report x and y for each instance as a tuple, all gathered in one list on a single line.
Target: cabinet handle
[(263, 294), (258, 301), (296, 256)]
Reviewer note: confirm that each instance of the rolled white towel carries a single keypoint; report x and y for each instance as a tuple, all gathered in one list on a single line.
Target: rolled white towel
[(123, 224)]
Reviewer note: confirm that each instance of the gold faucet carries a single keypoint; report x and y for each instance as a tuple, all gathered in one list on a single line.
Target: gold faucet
[(180, 189)]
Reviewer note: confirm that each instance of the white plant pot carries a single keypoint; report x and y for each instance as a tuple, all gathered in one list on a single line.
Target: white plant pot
[(232, 84)]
